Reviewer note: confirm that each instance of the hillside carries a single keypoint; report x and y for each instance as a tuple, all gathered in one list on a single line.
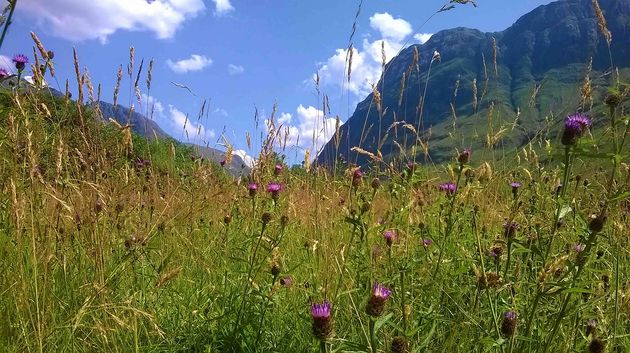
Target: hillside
[(541, 62)]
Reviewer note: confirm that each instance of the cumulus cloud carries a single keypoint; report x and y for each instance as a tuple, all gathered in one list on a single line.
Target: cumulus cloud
[(176, 122), (220, 111), (196, 62), (223, 7), (392, 28), (422, 37), (249, 160), (309, 129), (98, 19), (235, 69), (366, 61)]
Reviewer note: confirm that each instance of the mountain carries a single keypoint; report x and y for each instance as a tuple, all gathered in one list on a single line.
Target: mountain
[(541, 62), (146, 127)]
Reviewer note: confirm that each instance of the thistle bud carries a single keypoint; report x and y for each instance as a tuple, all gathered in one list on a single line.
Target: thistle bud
[(508, 325), (400, 344)]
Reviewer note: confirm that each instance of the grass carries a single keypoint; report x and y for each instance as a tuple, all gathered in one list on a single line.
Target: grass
[(110, 244)]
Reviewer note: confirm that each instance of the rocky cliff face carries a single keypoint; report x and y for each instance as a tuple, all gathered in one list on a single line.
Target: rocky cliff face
[(540, 62)]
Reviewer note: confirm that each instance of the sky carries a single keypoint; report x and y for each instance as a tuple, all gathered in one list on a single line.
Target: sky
[(241, 57)]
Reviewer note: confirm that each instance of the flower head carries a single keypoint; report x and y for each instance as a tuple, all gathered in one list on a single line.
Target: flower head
[(574, 127), (464, 156), (427, 242), (515, 186), (510, 228), (274, 189), (449, 188), (508, 325), (20, 61), (357, 177), (322, 325), (578, 248), (378, 298), (278, 169), (390, 236), (3, 73), (253, 189)]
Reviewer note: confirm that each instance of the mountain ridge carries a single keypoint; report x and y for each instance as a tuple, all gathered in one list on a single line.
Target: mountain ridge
[(546, 51)]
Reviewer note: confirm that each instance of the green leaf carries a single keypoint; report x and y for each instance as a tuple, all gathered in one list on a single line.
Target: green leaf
[(565, 210), (620, 196), (381, 321)]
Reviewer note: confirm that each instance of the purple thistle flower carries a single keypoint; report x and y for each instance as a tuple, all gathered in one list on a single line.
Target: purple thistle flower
[(223, 161), (20, 61), (508, 326), (378, 297), (320, 311), (427, 242), (3, 73), (510, 228), (253, 189), (390, 236), (322, 325), (449, 188), (278, 169), (287, 281), (574, 127), (464, 156), (515, 186), (357, 177), (578, 248), (274, 189)]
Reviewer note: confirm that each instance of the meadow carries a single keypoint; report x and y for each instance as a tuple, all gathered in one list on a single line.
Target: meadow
[(113, 242)]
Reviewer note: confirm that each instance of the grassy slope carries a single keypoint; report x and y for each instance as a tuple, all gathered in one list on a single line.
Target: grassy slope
[(102, 255)]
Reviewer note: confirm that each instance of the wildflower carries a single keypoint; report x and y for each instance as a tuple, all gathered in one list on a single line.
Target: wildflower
[(510, 228), (286, 281), (574, 127), (223, 161), (278, 169), (489, 280), (591, 326), (376, 183), (515, 186), (20, 61), (275, 269), (400, 344), (378, 298), (390, 236), (578, 248), (274, 189), (496, 251), (3, 73), (253, 189), (449, 188), (508, 326), (427, 242), (597, 346), (357, 177), (411, 166), (265, 218), (464, 156), (597, 223), (322, 323)]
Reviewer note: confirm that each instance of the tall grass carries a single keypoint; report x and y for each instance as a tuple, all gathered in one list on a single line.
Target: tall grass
[(113, 242)]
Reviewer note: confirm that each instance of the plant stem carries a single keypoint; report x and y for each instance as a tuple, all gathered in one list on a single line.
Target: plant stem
[(372, 335), (8, 23)]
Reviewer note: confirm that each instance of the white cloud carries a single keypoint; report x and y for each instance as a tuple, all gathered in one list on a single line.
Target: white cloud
[(175, 122), (6, 63), (235, 69), (78, 20), (422, 37), (368, 60), (249, 160), (220, 111), (223, 7), (309, 129), (196, 62), (392, 28)]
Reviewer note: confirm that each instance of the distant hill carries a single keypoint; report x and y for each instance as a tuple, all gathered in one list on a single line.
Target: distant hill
[(541, 61)]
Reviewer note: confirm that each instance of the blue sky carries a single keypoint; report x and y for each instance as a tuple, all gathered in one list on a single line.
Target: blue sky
[(240, 55)]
